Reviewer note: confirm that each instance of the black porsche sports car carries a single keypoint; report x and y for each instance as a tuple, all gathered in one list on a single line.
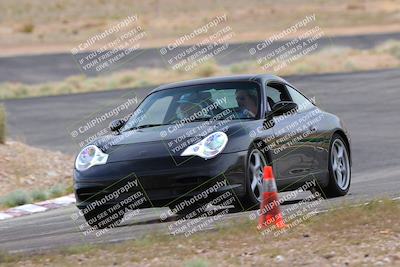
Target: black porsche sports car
[(185, 134)]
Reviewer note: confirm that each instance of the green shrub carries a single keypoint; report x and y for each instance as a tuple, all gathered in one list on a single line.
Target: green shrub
[(27, 27), (21, 197), (16, 198), (69, 189), (39, 195), (57, 191)]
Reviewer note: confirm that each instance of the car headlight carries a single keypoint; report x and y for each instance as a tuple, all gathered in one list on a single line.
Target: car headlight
[(209, 147), (90, 156)]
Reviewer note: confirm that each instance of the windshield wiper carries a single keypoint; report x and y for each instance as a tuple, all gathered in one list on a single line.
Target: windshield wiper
[(207, 119), (189, 121), (210, 118), (201, 119), (143, 126), (243, 118)]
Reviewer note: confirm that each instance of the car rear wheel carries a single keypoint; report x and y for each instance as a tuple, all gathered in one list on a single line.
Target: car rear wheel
[(254, 178), (339, 169)]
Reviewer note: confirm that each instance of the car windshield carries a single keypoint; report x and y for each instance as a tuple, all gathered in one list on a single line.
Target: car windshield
[(217, 101)]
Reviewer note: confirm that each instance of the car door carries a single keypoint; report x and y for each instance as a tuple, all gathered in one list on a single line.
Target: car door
[(315, 135), (291, 153)]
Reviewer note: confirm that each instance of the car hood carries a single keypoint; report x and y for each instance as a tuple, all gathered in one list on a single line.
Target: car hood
[(156, 141)]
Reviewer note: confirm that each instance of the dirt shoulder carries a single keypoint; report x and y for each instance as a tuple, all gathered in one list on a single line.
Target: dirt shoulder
[(48, 26), (19, 49), (365, 235), (28, 172)]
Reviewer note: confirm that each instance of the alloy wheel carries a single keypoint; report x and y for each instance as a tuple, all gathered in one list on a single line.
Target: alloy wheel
[(256, 166), (340, 164)]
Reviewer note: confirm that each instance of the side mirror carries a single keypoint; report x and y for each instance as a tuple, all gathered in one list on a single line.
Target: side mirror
[(116, 125), (283, 107)]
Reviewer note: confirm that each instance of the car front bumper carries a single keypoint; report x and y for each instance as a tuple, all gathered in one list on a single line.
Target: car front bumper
[(161, 179)]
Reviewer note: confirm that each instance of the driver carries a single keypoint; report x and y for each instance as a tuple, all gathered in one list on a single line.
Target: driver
[(188, 106), (247, 101)]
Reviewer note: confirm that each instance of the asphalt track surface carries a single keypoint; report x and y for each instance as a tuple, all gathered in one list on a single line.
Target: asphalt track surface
[(52, 67), (368, 102)]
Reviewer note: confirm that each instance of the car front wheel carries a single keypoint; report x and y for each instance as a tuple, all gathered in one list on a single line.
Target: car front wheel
[(254, 178)]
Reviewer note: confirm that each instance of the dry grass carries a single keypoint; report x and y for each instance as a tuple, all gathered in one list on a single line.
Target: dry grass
[(364, 235), (26, 170), (58, 25), (333, 59)]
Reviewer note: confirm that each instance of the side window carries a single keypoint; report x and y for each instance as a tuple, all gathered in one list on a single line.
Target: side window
[(277, 92), (302, 102)]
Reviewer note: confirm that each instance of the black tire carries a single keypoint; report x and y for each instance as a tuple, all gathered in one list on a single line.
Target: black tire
[(335, 188), (109, 221), (250, 201)]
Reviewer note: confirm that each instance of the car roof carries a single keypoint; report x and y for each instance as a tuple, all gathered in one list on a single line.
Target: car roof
[(233, 78)]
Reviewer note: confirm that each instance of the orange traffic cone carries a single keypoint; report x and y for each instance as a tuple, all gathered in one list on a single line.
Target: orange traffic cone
[(270, 212)]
